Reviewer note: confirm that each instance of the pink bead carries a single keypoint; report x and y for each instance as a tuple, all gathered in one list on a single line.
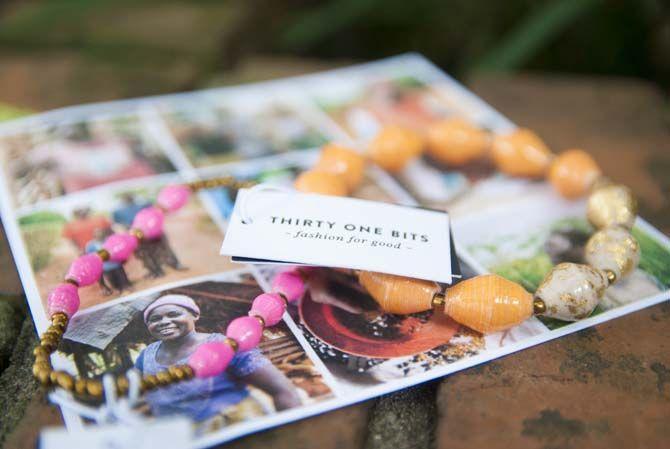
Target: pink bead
[(270, 307), (211, 359), (246, 331), (64, 298), (290, 284), (172, 198), (120, 246), (86, 269), (150, 221)]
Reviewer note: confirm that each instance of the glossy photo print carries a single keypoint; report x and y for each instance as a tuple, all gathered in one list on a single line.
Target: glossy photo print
[(67, 157), (150, 333)]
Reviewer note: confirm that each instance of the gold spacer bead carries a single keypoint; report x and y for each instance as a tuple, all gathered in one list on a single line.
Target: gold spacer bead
[(94, 388), (188, 371), (539, 307), (41, 368), (611, 276), (284, 298), (260, 320), (122, 385), (80, 386), (439, 300), (149, 382), (39, 351), (139, 235), (43, 376), (71, 281), (59, 318), (232, 343), (103, 254), (64, 380), (177, 373), (163, 378)]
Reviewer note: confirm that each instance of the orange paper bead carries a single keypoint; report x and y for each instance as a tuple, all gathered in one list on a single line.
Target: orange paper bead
[(573, 172), (394, 146), (456, 142), (343, 161), (488, 303), (398, 294), (324, 183), (521, 153)]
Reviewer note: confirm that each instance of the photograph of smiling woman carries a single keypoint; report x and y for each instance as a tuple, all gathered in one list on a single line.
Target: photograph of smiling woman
[(222, 400)]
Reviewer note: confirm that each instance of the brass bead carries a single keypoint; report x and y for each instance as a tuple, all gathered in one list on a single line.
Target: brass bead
[(103, 254), (611, 276), (139, 235), (64, 380), (232, 343), (94, 388), (260, 320), (122, 385), (438, 300), (59, 318), (612, 205), (177, 373), (188, 371), (539, 307), (80, 386), (48, 344), (40, 351), (163, 378), (149, 382), (41, 367), (42, 376), (284, 298), (71, 281), (59, 327)]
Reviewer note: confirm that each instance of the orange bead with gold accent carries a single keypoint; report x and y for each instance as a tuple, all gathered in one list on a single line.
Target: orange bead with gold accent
[(488, 303), (456, 142), (399, 294), (323, 183), (521, 153), (573, 172), (394, 146), (343, 161)]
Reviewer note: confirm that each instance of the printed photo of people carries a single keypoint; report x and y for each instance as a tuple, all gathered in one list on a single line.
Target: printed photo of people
[(526, 250), (362, 346), (214, 128), (39, 165), (282, 172), (390, 94), (56, 235), (153, 332)]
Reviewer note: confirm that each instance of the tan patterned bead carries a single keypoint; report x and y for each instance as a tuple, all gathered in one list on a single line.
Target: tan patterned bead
[(571, 291), (614, 249), (94, 388), (612, 205)]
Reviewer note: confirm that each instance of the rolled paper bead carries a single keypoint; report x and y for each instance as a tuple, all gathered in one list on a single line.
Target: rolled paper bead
[(86, 269), (571, 291), (573, 172), (290, 284), (488, 303), (64, 298), (270, 307), (611, 205), (347, 163), (394, 146), (247, 331), (521, 153), (614, 249), (211, 359), (150, 221), (399, 294), (456, 142), (321, 182), (120, 246), (173, 197)]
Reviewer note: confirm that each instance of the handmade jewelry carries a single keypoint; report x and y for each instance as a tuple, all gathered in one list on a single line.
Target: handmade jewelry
[(486, 303)]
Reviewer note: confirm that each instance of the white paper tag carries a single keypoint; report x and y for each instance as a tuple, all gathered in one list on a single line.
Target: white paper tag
[(298, 228), (174, 433)]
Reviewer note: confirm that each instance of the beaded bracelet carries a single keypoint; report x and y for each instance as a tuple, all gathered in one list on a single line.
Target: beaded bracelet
[(485, 303)]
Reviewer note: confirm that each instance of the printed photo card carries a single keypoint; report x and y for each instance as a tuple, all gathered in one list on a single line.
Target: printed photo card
[(71, 177)]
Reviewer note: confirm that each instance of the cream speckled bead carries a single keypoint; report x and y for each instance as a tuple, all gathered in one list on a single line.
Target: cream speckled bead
[(612, 205), (613, 249), (571, 291)]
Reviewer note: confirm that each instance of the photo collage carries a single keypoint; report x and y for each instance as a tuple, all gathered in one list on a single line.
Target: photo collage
[(71, 178)]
